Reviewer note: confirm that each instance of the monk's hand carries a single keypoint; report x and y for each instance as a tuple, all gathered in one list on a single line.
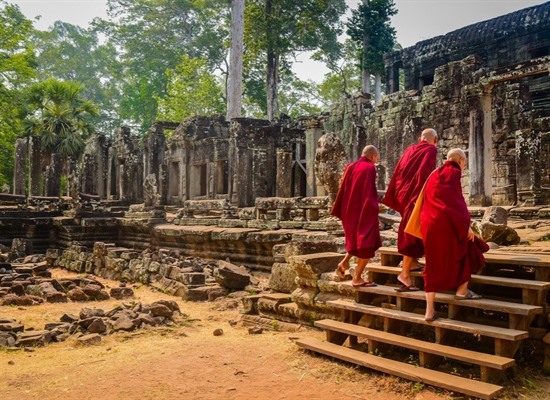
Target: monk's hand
[(471, 235)]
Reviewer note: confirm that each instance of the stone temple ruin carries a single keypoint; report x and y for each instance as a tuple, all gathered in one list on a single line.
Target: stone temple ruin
[(257, 193)]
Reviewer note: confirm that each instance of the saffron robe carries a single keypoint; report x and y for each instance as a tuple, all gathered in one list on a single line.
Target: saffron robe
[(356, 205), (416, 164), (445, 220)]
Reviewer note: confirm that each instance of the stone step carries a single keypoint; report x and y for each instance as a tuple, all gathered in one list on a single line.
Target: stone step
[(458, 384), (488, 363)]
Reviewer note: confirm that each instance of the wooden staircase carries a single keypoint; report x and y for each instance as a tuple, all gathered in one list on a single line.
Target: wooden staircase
[(485, 333)]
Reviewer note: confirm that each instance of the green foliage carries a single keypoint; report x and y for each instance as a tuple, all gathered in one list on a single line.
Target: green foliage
[(373, 19), (298, 98), (152, 36), (71, 53), (57, 112), (344, 76), (17, 67), (282, 28), (192, 90)]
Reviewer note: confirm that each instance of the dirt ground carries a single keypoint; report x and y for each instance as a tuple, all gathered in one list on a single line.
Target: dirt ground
[(187, 361)]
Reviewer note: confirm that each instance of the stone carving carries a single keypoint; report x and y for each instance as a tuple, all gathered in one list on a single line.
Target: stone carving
[(5, 188), (330, 161), (150, 191)]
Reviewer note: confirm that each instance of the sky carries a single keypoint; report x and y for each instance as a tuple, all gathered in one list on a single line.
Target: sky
[(416, 20)]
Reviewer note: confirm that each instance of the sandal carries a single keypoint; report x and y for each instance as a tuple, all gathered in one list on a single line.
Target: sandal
[(340, 273), (470, 295), (431, 319)]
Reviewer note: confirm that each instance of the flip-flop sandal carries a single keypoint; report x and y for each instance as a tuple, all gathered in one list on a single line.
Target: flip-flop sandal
[(364, 284), (405, 288), (339, 273), (470, 295)]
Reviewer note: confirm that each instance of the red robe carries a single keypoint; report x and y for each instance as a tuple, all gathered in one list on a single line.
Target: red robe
[(444, 221), (356, 205), (412, 170)]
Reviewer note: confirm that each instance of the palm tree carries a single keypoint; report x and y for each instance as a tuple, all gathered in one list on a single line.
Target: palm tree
[(57, 113)]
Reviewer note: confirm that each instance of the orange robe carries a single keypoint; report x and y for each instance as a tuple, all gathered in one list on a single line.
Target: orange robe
[(356, 205)]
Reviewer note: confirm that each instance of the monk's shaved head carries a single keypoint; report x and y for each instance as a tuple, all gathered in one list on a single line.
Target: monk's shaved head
[(429, 135), (371, 153), (456, 155)]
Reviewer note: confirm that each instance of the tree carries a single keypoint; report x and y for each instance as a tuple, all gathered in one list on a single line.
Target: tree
[(370, 26), (235, 75), (57, 112), (192, 90), (17, 67), (278, 29), (71, 53), (152, 36)]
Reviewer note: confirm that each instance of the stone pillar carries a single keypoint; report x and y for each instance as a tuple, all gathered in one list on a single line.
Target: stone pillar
[(35, 178), (259, 171), (163, 185), (313, 132), (479, 153), (20, 166), (53, 176), (284, 173), (528, 170)]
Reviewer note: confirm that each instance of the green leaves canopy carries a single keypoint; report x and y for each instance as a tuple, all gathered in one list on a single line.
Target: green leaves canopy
[(373, 19), (17, 67), (57, 112)]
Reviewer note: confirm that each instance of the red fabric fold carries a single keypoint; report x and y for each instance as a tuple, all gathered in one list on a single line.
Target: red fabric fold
[(356, 205), (416, 164), (450, 257)]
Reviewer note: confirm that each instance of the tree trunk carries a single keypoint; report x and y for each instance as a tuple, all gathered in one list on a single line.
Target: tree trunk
[(272, 85), (365, 75), (377, 86), (272, 78), (235, 78)]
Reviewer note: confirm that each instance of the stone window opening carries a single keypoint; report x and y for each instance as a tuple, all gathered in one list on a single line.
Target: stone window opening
[(540, 52), (198, 181), (425, 80), (299, 171)]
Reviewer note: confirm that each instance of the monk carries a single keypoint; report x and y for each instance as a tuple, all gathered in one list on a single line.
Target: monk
[(416, 164), (445, 227), (356, 205)]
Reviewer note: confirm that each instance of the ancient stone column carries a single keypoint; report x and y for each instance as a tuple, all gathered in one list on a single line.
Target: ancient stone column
[(20, 166), (313, 132), (35, 159), (284, 173), (479, 153), (53, 176)]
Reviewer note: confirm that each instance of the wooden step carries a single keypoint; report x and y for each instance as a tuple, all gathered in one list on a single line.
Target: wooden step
[(461, 326), (487, 362), (458, 384), (484, 304), (506, 341), (493, 257), (533, 292)]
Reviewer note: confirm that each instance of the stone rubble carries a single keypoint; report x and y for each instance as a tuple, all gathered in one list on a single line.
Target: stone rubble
[(91, 323)]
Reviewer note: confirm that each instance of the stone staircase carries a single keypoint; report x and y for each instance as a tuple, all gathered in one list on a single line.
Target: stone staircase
[(485, 334)]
